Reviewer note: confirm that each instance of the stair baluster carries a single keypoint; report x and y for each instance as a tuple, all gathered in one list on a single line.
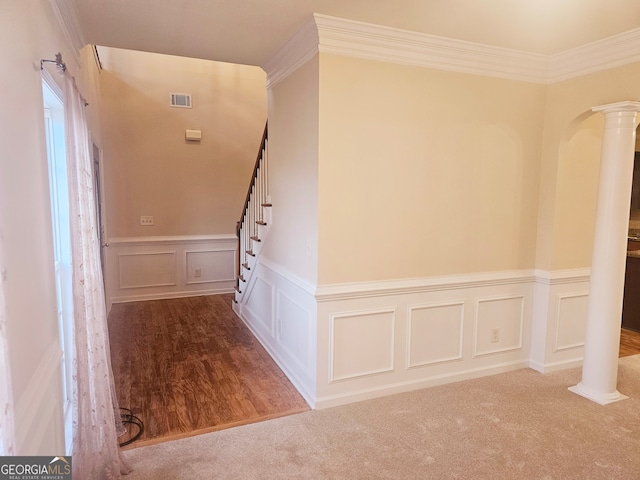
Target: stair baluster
[(252, 216)]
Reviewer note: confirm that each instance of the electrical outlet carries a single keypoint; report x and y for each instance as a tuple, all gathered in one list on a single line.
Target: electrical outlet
[(495, 335), (146, 220), (197, 273)]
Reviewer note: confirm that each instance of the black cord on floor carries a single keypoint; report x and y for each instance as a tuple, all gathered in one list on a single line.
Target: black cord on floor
[(131, 421)]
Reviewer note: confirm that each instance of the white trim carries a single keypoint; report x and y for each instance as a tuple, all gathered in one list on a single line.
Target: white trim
[(476, 323), (146, 254), (162, 296), (209, 250), (360, 313), (555, 366), (406, 386), (263, 323), (556, 277), (278, 296), (67, 16), (387, 44), (35, 397), (199, 282), (301, 386), (301, 47), (333, 35), (53, 86), (559, 297), (166, 240), (345, 291), (614, 51), (288, 276), (425, 306)]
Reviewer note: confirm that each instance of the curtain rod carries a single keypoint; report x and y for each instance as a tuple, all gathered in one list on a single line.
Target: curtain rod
[(58, 61), (61, 66)]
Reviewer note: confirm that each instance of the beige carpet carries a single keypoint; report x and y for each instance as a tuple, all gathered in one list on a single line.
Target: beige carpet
[(516, 425)]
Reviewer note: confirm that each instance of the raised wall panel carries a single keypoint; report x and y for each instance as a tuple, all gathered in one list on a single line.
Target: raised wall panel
[(435, 333), (571, 321), (148, 269), (261, 302), (503, 313), (151, 268), (292, 329), (214, 265), (361, 344)]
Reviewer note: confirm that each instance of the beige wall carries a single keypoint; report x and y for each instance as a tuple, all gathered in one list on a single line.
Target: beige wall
[(293, 172), (149, 169), (28, 33), (570, 164), (425, 172)]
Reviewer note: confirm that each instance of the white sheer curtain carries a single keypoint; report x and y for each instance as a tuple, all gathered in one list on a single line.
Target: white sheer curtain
[(96, 421), (7, 440)]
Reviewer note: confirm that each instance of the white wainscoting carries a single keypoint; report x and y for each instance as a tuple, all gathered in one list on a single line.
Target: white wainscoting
[(560, 310), (372, 351), (434, 333), (148, 268), (352, 342), (39, 417), (505, 316), (387, 337), (280, 310)]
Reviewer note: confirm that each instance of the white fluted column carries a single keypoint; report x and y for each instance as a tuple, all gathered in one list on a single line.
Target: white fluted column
[(602, 342)]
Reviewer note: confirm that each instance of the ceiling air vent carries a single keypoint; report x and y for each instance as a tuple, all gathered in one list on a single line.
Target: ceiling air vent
[(181, 100)]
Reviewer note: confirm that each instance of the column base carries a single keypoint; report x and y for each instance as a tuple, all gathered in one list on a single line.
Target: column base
[(598, 397)]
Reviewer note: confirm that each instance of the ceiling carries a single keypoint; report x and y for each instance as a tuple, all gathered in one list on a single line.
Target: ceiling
[(249, 31)]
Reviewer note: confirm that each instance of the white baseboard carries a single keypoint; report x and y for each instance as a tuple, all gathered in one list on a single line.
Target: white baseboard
[(555, 366), (280, 312), (407, 386), (301, 386), (163, 296)]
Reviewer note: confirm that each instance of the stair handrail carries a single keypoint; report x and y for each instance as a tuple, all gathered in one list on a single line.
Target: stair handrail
[(254, 174), (258, 185)]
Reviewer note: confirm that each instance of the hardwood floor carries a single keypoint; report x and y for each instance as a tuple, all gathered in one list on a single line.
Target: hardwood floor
[(189, 365), (629, 342)]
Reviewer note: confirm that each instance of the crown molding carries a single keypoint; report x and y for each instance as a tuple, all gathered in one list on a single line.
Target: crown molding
[(67, 16), (387, 44), (301, 47), (610, 52), (325, 34)]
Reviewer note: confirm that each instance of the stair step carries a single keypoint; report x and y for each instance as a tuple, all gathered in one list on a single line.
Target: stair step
[(241, 278), (261, 222), (237, 288), (246, 265), (255, 239), (250, 252)]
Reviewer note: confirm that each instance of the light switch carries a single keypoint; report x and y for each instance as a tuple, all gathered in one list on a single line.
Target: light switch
[(146, 220)]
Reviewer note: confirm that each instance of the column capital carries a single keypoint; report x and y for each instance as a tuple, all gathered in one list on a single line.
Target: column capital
[(626, 106)]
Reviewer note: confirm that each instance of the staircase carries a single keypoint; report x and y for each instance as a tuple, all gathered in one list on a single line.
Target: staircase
[(254, 222)]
